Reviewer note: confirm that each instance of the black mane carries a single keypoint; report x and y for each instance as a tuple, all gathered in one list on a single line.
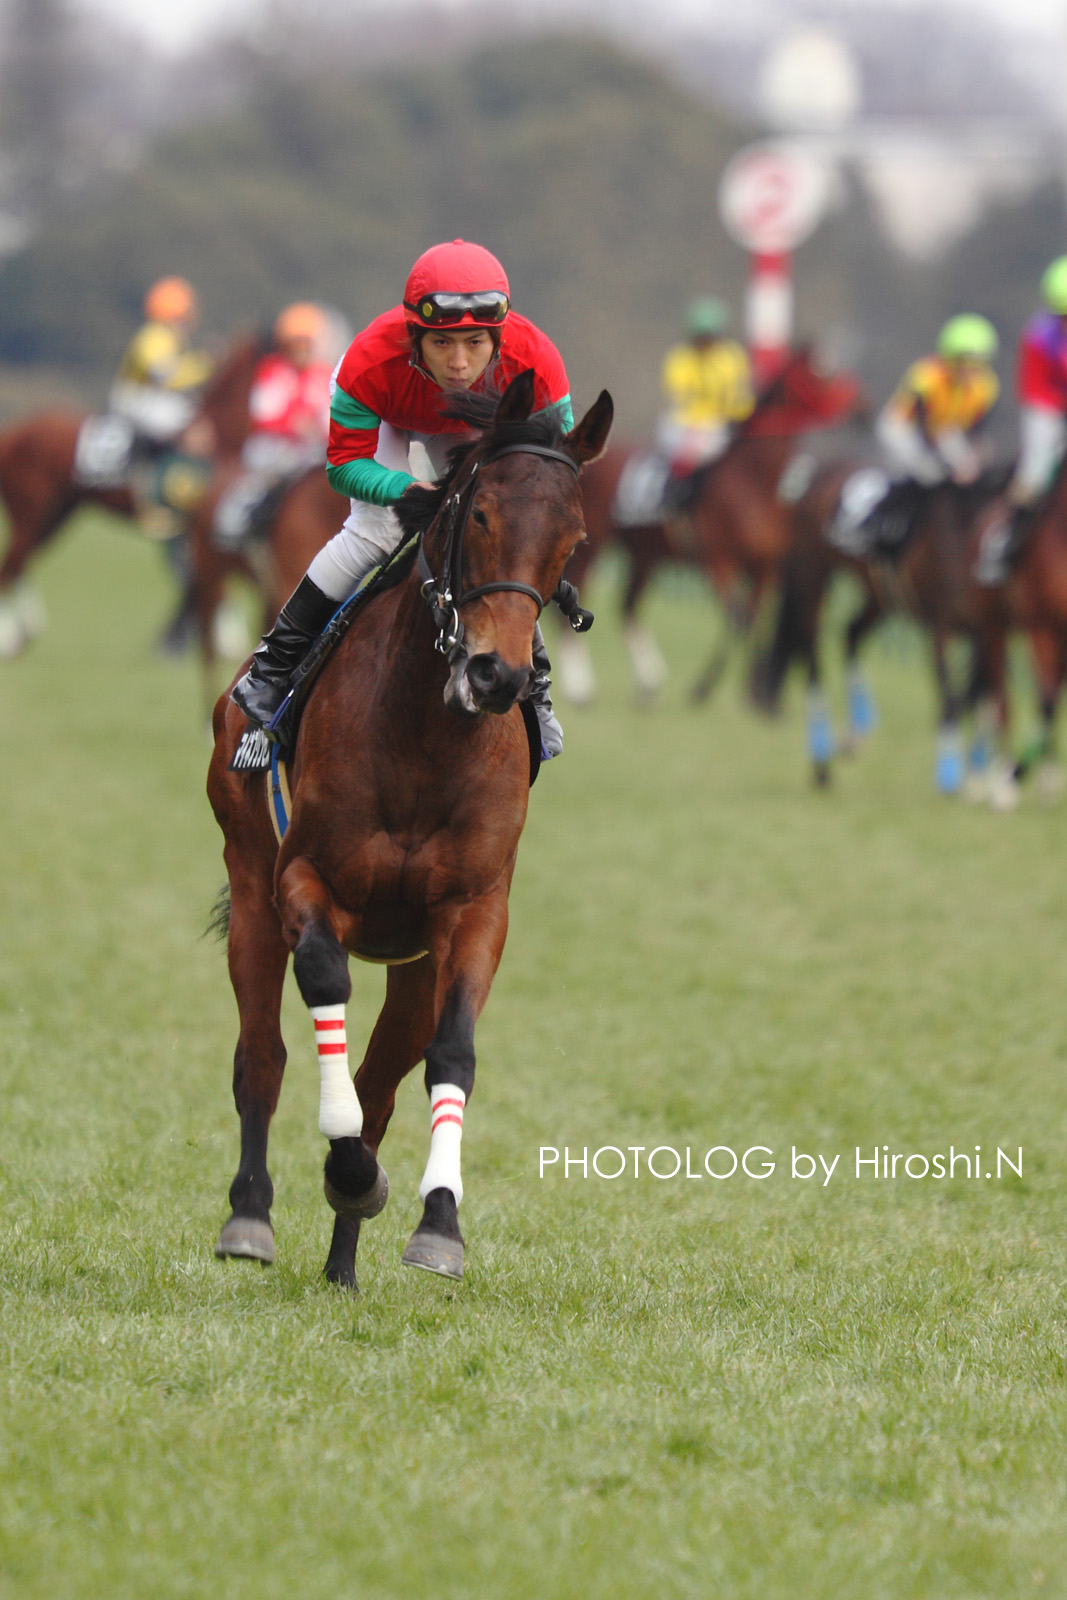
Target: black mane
[(418, 508)]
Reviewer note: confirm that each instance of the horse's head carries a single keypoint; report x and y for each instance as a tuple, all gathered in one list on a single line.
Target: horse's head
[(504, 524), (803, 396)]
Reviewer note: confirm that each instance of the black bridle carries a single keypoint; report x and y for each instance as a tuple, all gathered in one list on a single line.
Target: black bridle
[(445, 595)]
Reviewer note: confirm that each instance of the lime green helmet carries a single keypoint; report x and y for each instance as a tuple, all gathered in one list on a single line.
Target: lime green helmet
[(706, 318), (1054, 286), (968, 337)]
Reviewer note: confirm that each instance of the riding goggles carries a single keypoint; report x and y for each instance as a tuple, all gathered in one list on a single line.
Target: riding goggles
[(439, 310)]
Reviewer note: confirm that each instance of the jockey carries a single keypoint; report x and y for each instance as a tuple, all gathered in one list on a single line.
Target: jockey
[(926, 427), (1042, 388), (707, 385), (1042, 392), (289, 422), (289, 403), (454, 330), (156, 384)]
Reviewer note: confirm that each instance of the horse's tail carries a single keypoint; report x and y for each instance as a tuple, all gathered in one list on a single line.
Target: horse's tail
[(218, 923), (788, 641)]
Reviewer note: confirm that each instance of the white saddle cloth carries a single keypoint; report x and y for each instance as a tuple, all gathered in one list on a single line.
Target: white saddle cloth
[(102, 452)]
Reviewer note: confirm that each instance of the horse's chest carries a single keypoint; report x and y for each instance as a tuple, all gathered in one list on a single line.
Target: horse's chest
[(394, 874)]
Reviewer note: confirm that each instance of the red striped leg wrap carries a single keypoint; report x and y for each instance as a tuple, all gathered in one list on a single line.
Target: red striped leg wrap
[(340, 1113), (446, 1134)]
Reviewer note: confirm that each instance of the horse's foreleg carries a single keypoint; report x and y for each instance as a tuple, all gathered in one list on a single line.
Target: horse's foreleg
[(398, 1043), (257, 957), (646, 657), (467, 945), (33, 515), (948, 762), (862, 715), (355, 1185), (1003, 789), (1047, 651), (576, 670)]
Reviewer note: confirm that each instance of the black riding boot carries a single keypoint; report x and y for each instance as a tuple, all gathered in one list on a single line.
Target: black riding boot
[(300, 621), (541, 700)]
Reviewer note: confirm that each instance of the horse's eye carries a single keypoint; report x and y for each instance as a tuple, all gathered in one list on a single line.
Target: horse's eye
[(478, 516)]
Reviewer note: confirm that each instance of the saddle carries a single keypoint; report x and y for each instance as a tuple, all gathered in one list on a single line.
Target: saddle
[(248, 506), (259, 749), (875, 516)]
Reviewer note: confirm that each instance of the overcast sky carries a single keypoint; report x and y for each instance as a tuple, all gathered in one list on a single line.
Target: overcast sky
[(175, 24)]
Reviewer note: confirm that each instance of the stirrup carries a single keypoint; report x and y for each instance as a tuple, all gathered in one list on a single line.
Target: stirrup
[(262, 708)]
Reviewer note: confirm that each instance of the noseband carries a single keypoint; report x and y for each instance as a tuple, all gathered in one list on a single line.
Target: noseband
[(445, 596)]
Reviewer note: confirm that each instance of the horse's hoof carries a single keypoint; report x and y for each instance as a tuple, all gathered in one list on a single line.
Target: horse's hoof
[(1004, 788), (247, 1236), (13, 636), (342, 1277), (434, 1252), (361, 1206)]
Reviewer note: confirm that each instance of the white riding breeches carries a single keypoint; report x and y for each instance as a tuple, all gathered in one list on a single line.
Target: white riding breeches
[(963, 458), (694, 446), (275, 456), (370, 532), (1042, 440), (907, 453), (157, 414)]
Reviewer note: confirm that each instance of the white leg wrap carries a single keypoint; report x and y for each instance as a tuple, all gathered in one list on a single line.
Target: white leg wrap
[(646, 657), (576, 669), (340, 1113), (446, 1135)]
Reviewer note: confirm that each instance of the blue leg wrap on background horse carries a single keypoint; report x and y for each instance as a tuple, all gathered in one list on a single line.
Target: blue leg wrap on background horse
[(948, 763), (820, 729), (862, 712)]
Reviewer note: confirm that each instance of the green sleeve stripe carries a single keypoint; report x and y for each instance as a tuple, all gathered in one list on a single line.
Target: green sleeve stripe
[(564, 410), (350, 413), (368, 480)]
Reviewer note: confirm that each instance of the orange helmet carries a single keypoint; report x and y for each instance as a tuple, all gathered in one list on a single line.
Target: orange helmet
[(170, 300), (300, 321)]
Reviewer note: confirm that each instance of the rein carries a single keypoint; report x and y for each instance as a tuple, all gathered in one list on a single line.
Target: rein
[(446, 595)]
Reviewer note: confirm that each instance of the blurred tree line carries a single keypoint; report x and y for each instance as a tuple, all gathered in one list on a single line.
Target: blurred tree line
[(591, 173)]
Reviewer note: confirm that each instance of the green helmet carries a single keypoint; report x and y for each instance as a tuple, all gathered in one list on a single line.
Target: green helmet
[(968, 337), (706, 318), (1054, 286)]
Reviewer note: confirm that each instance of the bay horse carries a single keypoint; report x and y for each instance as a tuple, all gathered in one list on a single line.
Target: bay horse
[(931, 579), (40, 490), (735, 533), (1032, 600), (409, 779)]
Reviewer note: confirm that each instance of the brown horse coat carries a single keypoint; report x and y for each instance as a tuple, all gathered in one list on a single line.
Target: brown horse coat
[(410, 782)]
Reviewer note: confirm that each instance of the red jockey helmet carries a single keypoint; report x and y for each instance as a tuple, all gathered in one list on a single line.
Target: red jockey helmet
[(457, 285)]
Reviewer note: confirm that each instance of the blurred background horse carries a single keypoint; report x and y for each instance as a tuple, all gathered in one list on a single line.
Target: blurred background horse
[(43, 481), (735, 532), (930, 576)]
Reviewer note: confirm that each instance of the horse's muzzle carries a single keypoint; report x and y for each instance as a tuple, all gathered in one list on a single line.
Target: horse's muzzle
[(486, 683)]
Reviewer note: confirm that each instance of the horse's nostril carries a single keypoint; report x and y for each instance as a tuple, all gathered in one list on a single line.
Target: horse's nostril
[(483, 673), (493, 683)]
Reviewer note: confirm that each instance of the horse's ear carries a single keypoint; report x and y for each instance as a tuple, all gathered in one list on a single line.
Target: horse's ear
[(516, 402), (586, 441)]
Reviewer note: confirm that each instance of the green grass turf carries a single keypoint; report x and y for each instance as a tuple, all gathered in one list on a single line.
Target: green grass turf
[(676, 1388)]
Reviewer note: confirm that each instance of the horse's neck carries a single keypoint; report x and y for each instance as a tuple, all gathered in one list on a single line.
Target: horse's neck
[(763, 457), (225, 401), (409, 679)]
